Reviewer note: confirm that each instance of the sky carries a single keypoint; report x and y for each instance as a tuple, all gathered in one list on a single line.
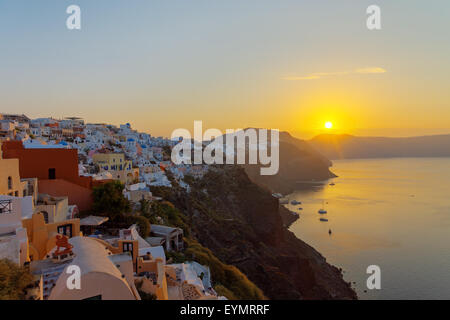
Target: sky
[(290, 65)]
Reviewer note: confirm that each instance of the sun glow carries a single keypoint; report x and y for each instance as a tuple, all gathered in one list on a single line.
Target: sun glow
[(328, 125)]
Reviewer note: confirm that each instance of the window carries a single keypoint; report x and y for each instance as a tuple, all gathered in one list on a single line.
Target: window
[(52, 174), (65, 230), (5, 206), (127, 247), (10, 186), (45, 214)]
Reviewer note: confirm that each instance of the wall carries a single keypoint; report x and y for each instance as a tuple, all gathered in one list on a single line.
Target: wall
[(41, 236), (10, 221), (156, 266), (123, 169), (109, 159), (93, 284), (138, 195), (57, 210), (10, 168), (80, 196), (101, 274)]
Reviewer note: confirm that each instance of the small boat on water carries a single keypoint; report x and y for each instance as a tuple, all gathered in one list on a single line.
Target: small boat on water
[(277, 195), (295, 202), (332, 184), (283, 201), (323, 219), (322, 210), (300, 208)]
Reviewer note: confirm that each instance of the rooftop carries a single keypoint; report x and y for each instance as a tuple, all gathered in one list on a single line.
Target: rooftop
[(93, 221)]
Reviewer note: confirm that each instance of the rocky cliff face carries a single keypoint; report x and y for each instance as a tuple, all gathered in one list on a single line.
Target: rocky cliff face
[(242, 225), (298, 162)]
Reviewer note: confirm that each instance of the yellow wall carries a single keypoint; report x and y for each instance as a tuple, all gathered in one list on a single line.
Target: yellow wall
[(10, 168), (141, 265), (105, 160), (109, 159), (41, 236)]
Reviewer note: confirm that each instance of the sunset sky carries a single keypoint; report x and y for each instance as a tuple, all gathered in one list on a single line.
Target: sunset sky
[(291, 65)]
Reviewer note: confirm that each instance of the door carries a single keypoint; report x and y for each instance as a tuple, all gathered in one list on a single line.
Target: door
[(52, 174)]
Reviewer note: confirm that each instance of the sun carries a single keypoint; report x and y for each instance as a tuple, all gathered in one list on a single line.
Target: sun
[(328, 125)]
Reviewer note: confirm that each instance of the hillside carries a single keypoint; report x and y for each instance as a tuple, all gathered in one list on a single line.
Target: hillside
[(352, 147), (242, 226), (298, 162)]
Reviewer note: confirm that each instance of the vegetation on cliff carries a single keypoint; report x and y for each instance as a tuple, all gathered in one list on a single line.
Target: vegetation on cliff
[(240, 224), (14, 280), (109, 200), (227, 280)]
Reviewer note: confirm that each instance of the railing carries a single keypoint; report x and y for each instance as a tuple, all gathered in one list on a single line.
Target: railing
[(5, 206)]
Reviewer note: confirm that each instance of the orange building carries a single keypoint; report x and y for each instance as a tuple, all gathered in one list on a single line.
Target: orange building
[(56, 170)]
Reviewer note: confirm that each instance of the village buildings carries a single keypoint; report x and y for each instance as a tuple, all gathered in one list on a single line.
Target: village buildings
[(48, 169)]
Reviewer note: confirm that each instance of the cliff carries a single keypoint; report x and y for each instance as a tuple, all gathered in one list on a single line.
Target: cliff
[(241, 224), (298, 162)]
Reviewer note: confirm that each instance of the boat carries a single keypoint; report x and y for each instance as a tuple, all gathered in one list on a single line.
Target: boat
[(277, 195), (283, 201), (323, 219), (322, 210), (332, 184), (295, 202), (300, 208)]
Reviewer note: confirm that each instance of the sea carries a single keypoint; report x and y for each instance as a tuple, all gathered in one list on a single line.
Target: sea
[(393, 214)]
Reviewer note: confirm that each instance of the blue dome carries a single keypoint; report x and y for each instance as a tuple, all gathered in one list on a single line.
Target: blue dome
[(143, 146), (131, 139), (63, 143)]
